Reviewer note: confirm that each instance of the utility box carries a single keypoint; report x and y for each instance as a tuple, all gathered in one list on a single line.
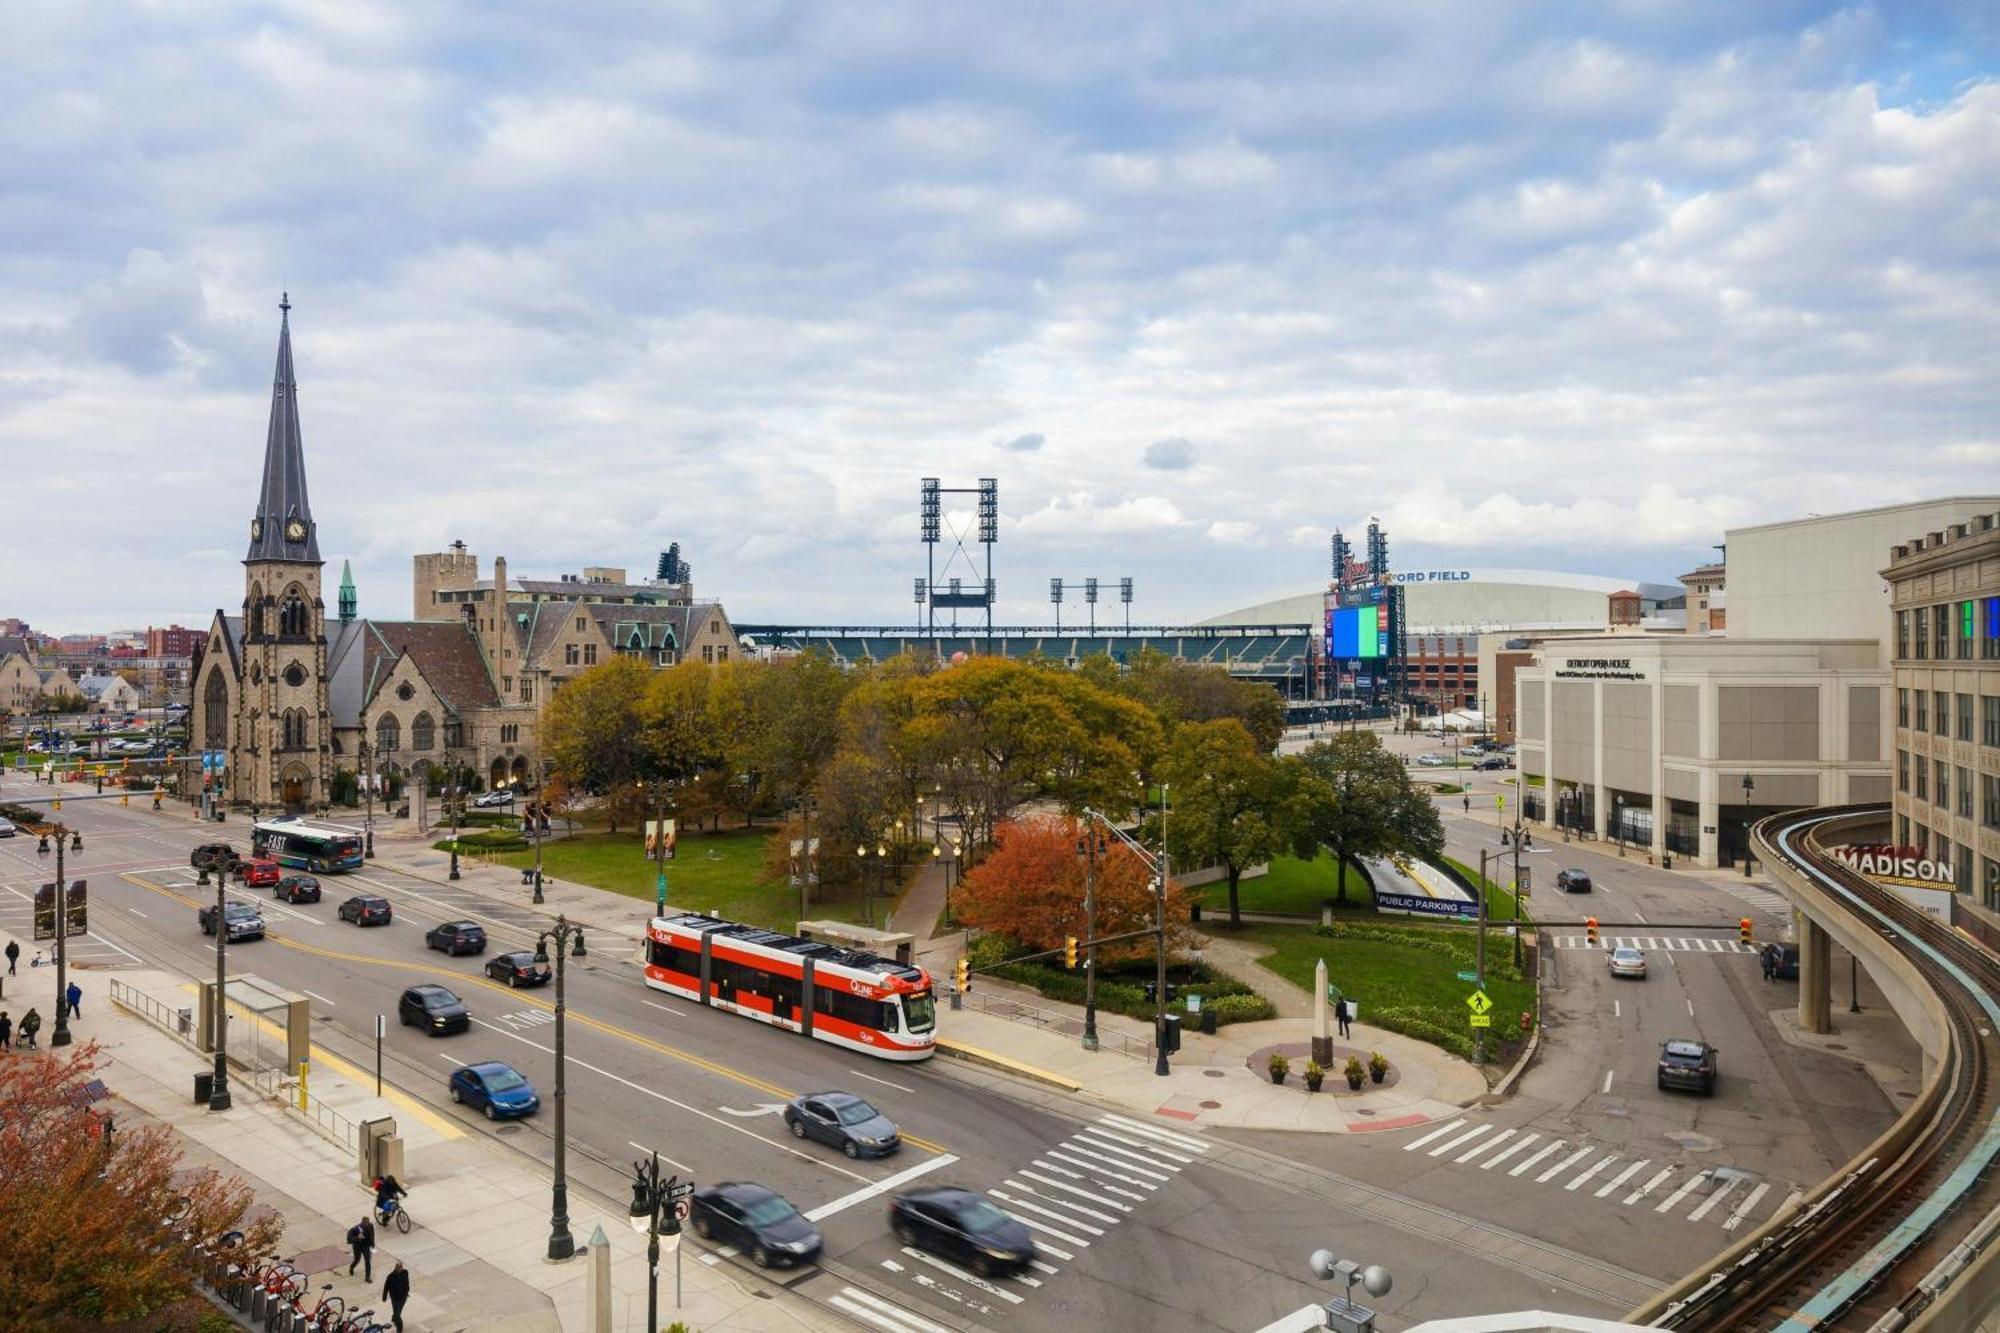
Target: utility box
[(1169, 1035), (1344, 1316), (370, 1153)]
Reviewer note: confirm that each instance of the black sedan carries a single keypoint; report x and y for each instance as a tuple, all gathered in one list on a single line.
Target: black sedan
[(964, 1227), (518, 968), (297, 889), (363, 910), (845, 1121), (1573, 881), (457, 937), (757, 1221), (434, 1009)]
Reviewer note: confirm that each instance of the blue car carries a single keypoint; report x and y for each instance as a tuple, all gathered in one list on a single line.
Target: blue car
[(496, 1088)]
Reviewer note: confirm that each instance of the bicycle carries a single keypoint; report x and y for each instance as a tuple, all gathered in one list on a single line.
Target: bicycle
[(324, 1314), (391, 1212), (362, 1322)]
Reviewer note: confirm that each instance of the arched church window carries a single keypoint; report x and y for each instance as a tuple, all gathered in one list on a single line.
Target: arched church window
[(454, 734), (388, 735), (423, 733), (215, 712), (292, 615), (253, 611)]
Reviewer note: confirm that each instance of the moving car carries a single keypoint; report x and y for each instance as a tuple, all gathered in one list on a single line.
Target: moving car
[(495, 1087), (1493, 761), (760, 1222), (7, 829), (456, 937), (497, 797), (434, 1009), (1433, 761), (962, 1226), (366, 910), (1573, 881), (845, 1121), (241, 921), (212, 856), (1626, 962), (518, 968), (297, 889), (1780, 961), (1688, 1064), (259, 872)]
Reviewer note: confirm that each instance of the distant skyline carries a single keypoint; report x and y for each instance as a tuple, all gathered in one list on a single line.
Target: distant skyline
[(1541, 286)]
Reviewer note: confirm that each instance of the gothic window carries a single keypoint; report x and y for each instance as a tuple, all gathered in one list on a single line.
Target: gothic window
[(292, 615), (406, 691), (295, 675), (423, 733), (253, 611), (215, 712), (388, 735), (292, 729), (454, 734)]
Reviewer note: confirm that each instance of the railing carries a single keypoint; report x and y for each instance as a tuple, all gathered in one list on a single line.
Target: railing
[(174, 1021), (1052, 1020)]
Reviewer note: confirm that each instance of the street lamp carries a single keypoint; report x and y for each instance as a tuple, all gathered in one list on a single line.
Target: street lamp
[(368, 789), (218, 1090), (1090, 846), (450, 795), (1748, 787), (655, 1214), (564, 933), (536, 813), (1342, 1314)]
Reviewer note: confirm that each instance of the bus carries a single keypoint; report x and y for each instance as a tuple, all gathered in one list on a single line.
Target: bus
[(320, 848), (851, 998)]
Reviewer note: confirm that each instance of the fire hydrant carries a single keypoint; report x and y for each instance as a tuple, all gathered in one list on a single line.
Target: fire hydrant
[(1527, 1020)]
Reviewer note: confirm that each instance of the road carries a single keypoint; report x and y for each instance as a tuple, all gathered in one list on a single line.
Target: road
[(1140, 1224)]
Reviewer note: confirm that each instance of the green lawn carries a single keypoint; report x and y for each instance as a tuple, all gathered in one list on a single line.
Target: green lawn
[(1404, 977), (1291, 886), (1499, 902), (718, 872)]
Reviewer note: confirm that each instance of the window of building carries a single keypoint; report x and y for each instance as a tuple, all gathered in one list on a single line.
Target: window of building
[(1965, 717), (1903, 635), (388, 735), (1989, 642), (1923, 783), (1941, 702), (1902, 830), (454, 734), (1902, 708), (1923, 714), (1923, 637), (215, 712), (1989, 719), (509, 733), (590, 654), (579, 624), (423, 733), (708, 652), (570, 654), (527, 690), (1964, 794), (1989, 800), (1961, 863), (1965, 629), (1941, 773), (1990, 880), (1902, 770), (292, 615), (1943, 617)]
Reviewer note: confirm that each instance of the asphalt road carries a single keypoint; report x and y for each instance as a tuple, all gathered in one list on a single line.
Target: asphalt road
[(1141, 1225)]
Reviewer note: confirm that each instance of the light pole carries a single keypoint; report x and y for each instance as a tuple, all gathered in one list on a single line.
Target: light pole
[(218, 1092), (368, 790), (60, 1036), (565, 933), (1342, 1314), (451, 799), (1090, 846), (1158, 865), (803, 864), (655, 1214), (1748, 787), (660, 853), (536, 810)]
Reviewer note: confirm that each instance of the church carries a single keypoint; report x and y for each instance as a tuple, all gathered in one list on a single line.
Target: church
[(300, 707)]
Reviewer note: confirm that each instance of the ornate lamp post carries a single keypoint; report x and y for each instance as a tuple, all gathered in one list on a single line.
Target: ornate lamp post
[(1090, 846), (535, 813), (565, 934), (655, 1213), (368, 795)]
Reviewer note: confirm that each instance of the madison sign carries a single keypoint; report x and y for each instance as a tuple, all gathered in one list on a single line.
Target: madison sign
[(1896, 865)]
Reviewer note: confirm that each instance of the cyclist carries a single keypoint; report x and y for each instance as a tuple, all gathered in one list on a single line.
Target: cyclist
[(387, 1191)]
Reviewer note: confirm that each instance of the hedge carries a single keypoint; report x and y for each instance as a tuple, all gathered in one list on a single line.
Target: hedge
[(1232, 1001), (486, 840)]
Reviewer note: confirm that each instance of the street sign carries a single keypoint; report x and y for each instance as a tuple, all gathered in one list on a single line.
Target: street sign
[(681, 1209), (1468, 976), (1482, 1020), (1499, 800), (1478, 1003), (681, 1191)]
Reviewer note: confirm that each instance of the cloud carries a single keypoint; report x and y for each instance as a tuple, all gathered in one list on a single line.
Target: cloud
[(1078, 517), (1026, 444), (1171, 455)]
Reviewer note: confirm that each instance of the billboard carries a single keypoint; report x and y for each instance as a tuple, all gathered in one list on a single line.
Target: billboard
[(1357, 633)]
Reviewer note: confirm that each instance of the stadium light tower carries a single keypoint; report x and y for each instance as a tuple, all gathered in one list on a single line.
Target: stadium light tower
[(1125, 596), (930, 514), (1056, 596), (1090, 600)]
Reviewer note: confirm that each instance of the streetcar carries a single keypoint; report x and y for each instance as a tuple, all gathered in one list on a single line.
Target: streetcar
[(858, 1000), (320, 848)]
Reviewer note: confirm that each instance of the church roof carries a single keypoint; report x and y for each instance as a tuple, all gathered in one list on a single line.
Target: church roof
[(282, 497), (346, 671), (10, 645), (444, 651)]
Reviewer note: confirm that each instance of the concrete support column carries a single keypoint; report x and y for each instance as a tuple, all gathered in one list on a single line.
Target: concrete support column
[(1815, 977)]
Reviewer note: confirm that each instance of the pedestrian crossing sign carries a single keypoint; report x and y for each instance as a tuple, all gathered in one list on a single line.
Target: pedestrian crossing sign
[(1479, 1003), (1482, 1020), (1499, 800)]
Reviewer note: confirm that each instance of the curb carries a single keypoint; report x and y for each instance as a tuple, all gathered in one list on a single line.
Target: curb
[(974, 1055), (1506, 1084)]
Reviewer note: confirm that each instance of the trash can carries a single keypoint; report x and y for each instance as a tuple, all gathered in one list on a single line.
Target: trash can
[(204, 1087), (1194, 913), (1207, 1022)]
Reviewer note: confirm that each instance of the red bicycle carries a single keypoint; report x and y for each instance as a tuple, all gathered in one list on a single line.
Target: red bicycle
[(324, 1316)]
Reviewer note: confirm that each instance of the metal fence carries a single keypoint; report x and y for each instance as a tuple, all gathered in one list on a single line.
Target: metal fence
[(174, 1020), (1052, 1020)]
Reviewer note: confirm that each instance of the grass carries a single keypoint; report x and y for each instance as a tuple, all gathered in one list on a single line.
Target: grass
[(1292, 885), (720, 872), (1499, 900), (1404, 977)]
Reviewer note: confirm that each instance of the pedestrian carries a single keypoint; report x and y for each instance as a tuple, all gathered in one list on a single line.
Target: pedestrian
[(1527, 839), (1468, 803), (361, 1239), (396, 1290), (75, 997), (1346, 1014), (13, 956), (6, 1031), (31, 1023)]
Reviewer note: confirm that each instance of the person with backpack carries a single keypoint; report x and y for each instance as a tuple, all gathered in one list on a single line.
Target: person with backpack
[(31, 1023), (361, 1240), (13, 955), (396, 1290), (6, 1031)]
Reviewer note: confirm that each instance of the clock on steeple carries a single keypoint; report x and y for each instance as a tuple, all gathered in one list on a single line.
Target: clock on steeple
[(295, 529), (256, 529)]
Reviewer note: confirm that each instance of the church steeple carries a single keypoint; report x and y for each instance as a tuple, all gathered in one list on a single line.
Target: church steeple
[(283, 527), (349, 602)]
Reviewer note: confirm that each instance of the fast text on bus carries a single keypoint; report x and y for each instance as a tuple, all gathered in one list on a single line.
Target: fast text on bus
[(320, 848)]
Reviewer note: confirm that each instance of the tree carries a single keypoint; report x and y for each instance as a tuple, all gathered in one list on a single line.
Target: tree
[(592, 730), (1231, 801), (1356, 799), (1180, 692), (98, 1231), (1031, 889)]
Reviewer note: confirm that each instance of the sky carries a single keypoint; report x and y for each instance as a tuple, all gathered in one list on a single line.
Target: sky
[(1563, 286)]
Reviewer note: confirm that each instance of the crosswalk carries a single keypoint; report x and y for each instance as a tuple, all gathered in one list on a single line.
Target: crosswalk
[(1665, 943), (1070, 1197), (1759, 897), (1719, 1196)]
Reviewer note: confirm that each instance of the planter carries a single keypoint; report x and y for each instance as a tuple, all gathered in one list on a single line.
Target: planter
[(1353, 1083), (1277, 1076), (1312, 1084), (1377, 1075)]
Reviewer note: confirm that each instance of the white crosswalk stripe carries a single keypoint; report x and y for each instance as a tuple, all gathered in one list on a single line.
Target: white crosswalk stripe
[(1530, 1164), (1743, 1210), (1613, 1185), (1564, 1165), (1486, 1146), (872, 1310), (1492, 1162), (1636, 1195), (1582, 1178), (1434, 1134), (1655, 943), (1461, 1140)]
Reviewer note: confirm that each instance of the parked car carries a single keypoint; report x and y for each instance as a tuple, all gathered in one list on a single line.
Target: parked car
[(297, 889), (7, 829), (845, 1121), (457, 937), (759, 1222), (434, 1009), (212, 856), (1688, 1064), (499, 796), (1493, 761), (1780, 961), (1573, 881), (518, 968), (962, 1226), (366, 910), (1433, 761), (1626, 962), (495, 1087), (259, 872), (242, 921)]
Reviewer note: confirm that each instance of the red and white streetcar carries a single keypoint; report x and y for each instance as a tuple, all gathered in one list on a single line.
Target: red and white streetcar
[(859, 1000)]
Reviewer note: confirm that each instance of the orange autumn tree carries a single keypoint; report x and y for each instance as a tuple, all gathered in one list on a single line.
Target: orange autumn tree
[(97, 1231), (1031, 889)]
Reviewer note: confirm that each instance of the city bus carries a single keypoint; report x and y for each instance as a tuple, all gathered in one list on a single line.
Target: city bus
[(321, 848), (851, 998)]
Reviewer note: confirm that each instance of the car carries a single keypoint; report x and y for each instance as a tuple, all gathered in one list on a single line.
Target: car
[(1688, 1064), (518, 968), (435, 1009), (845, 1121), (212, 856), (1780, 961), (962, 1226), (1432, 760), (366, 910), (259, 872), (7, 829), (759, 1222), (456, 937), (1626, 962), (297, 889), (1493, 761), (242, 921), (497, 797), (1573, 881), (495, 1087)]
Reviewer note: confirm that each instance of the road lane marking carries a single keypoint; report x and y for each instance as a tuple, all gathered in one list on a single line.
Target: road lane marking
[(1687, 1188), (1460, 1141), (1584, 1177), (1108, 1219), (1555, 1147), (1565, 1164), (1071, 1189), (1649, 1186), (665, 1008), (1099, 1170), (679, 1166), (1052, 1216), (135, 911), (856, 1072), (317, 996), (1062, 1236), (1479, 1148), (1607, 1079), (963, 1276), (1492, 1162), (1690, 1005), (1708, 1204), (1745, 1208), (1168, 1137), (872, 1310), (1617, 1011), (1611, 1186), (1434, 1134), (1041, 1267), (874, 1188)]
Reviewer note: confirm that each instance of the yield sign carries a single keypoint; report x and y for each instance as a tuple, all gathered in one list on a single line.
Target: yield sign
[(1477, 1002)]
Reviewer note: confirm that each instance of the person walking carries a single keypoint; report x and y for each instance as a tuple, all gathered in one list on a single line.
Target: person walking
[(31, 1023), (396, 1290), (1468, 803), (75, 997), (1346, 1015), (13, 956), (6, 1031), (361, 1240)]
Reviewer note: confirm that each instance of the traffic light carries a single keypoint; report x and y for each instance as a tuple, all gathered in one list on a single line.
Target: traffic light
[(964, 976), (1590, 928), (1743, 931), (1069, 951), (57, 804)]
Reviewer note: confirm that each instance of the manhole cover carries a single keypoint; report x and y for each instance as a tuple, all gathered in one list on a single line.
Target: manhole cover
[(509, 1129), (1214, 1073), (1211, 1106), (1693, 1142)]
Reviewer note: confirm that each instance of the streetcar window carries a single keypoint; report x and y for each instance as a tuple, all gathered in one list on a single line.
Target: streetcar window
[(885, 1016), (921, 1011)]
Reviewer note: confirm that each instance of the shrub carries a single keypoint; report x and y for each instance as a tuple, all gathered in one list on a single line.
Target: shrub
[(1240, 1009), (1121, 992)]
